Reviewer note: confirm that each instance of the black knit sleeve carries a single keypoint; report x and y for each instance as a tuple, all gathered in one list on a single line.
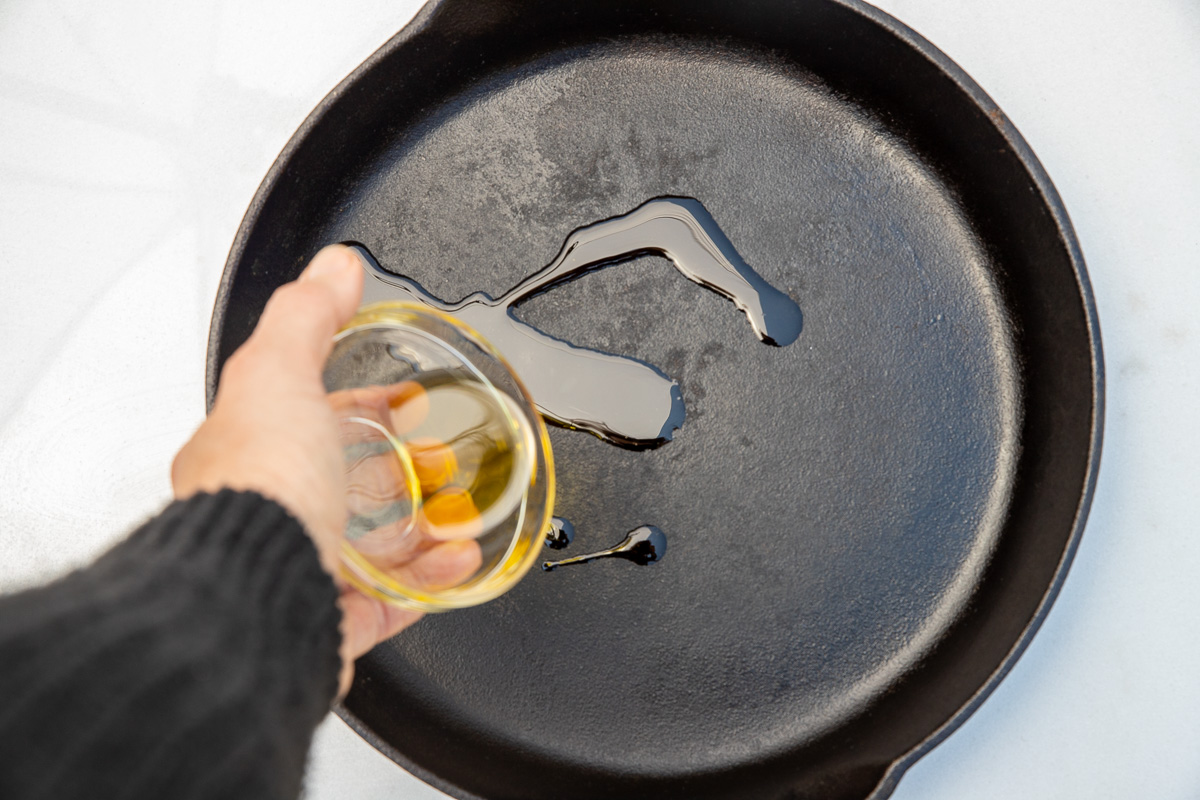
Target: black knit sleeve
[(193, 660)]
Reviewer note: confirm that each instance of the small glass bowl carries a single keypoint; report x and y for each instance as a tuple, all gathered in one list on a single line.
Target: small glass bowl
[(442, 444)]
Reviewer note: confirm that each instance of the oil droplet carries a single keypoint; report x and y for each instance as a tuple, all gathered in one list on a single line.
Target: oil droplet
[(643, 545), (620, 399), (561, 533)]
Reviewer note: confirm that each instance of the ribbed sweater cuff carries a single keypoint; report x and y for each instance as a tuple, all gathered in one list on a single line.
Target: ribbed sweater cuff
[(192, 660)]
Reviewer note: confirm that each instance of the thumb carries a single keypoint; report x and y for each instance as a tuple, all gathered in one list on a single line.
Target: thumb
[(301, 318), (339, 269)]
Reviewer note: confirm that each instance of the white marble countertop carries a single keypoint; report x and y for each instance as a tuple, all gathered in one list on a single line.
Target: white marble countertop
[(133, 135)]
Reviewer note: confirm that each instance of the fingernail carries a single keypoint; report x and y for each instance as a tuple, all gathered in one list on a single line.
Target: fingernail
[(333, 261)]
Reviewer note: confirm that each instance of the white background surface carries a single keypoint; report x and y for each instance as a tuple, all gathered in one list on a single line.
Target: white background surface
[(133, 135)]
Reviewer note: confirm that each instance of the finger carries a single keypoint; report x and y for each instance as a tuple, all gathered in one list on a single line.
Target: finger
[(409, 404), (301, 318), (442, 566), (369, 621), (400, 407), (377, 481), (367, 401), (366, 622), (338, 269), (393, 545), (434, 462), (450, 514)]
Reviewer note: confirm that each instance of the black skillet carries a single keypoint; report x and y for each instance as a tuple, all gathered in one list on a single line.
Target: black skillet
[(866, 526)]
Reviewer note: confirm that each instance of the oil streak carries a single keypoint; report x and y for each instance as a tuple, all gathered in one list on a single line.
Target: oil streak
[(620, 399), (642, 545)]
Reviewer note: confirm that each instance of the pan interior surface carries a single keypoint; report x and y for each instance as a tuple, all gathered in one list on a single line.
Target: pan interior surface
[(863, 524), (828, 503)]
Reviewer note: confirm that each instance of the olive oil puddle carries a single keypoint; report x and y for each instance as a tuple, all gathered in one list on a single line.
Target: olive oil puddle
[(622, 400), (618, 398)]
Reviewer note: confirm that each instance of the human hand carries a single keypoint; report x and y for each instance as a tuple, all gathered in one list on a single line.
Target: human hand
[(272, 430)]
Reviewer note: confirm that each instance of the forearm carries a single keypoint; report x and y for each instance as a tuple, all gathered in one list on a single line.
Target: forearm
[(192, 660)]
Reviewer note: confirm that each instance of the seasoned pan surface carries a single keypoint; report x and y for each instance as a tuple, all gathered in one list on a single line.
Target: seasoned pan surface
[(866, 524)]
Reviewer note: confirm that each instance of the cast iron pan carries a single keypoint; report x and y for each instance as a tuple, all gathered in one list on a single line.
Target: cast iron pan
[(866, 526)]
